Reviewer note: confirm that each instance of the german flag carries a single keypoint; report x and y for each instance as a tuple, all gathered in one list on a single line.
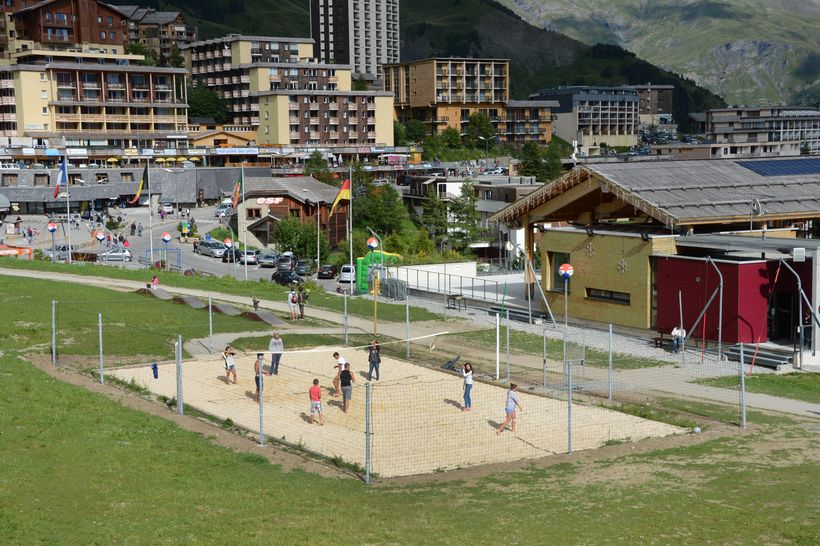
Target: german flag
[(143, 183), (344, 195)]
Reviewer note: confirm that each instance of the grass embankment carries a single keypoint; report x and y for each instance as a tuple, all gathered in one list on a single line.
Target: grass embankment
[(798, 386), (132, 324), (357, 306), (73, 477), (534, 344)]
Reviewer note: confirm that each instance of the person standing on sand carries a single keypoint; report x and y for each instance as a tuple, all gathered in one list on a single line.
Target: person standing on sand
[(230, 364), (509, 408), (315, 394), (276, 347), (347, 379), (467, 372), (374, 358), (257, 377), (340, 366)]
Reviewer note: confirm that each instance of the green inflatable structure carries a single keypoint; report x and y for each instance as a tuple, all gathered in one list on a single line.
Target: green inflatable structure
[(377, 257)]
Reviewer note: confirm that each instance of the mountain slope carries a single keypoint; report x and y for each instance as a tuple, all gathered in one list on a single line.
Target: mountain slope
[(749, 51), (539, 58)]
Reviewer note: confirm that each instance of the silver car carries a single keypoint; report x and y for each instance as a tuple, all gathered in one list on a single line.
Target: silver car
[(115, 255), (214, 249)]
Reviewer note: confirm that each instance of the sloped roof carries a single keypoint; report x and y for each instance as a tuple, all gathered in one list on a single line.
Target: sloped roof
[(300, 188), (689, 192)]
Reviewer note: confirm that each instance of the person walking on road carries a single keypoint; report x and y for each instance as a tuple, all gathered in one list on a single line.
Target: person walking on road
[(302, 299), (315, 394), (509, 408), (276, 347), (230, 365), (293, 303), (257, 377), (347, 379), (340, 366), (467, 372), (374, 358), (139, 229)]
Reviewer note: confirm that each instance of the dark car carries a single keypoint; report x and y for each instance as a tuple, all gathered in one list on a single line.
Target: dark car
[(286, 278), (231, 255), (327, 271), (303, 268)]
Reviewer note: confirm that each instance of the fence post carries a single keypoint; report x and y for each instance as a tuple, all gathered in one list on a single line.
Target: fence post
[(609, 376), (529, 301), (344, 292), (545, 353), (568, 367), (210, 326), (367, 431), (407, 321), (743, 389), (180, 407), (99, 335), (261, 405), (497, 345), (53, 332), (508, 345)]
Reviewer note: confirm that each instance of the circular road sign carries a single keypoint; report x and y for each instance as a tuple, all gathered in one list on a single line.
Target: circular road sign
[(51, 226), (372, 243), (166, 237), (100, 236), (566, 271), (228, 242)]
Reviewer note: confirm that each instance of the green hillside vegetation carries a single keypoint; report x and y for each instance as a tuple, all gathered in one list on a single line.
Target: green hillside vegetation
[(539, 58), (749, 51)]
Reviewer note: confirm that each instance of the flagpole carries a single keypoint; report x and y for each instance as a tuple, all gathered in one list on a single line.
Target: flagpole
[(350, 232), (245, 222), (68, 208), (150, 219)]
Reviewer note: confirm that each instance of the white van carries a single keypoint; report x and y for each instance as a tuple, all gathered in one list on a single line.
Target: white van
[(347, 278)]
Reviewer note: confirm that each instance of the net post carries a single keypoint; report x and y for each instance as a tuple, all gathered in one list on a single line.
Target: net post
[(609, 374), (497, 345), (344, 292), (180, 407), (743, 389), (508, 345), (261, 404), (210, 326), (100, 337), (569, 406), (53, 332), (407, 321), (544, 334), (368, 389)]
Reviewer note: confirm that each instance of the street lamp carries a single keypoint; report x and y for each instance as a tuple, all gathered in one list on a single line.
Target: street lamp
[(486, 145), (318, 233)]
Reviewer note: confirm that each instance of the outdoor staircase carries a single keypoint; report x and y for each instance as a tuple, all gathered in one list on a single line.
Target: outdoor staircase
[(775, 358)]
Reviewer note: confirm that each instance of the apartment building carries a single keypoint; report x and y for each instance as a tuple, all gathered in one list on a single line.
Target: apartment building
[(445, 92), (655, 108), (225, 65), (340, 117), (361, 33), (162, 31), (594, 116), (756, 128)]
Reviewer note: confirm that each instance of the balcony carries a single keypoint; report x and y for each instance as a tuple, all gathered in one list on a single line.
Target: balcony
[(7, 101), (6, 84), (118, 118), (91, 85), (92, 118), (71, 118), (114, 85), (334, 135), (294, 135)]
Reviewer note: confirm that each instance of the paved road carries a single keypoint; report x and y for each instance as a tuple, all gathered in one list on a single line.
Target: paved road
[(667, 379)]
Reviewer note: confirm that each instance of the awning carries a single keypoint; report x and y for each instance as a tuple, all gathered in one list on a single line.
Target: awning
[(5, 205)]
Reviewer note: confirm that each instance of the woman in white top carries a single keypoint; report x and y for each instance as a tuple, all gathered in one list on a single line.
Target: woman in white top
[(467, 372), (230, 365), (509, 408)]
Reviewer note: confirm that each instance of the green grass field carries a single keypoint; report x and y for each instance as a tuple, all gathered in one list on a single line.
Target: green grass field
[(132, 324), (534, 344), (799, 386), (357, 306)]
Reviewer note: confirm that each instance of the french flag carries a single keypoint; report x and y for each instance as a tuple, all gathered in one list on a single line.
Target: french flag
[(62, 177)]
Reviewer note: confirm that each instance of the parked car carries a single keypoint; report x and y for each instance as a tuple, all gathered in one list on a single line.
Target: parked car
[(61, 251), (249, 257), (347, 278), (285, 263), (231, 254), (286, 278), (168, 208), (223, 210), (327, 271), (214, 249), (303, 268), (267, 259), (117, 254)]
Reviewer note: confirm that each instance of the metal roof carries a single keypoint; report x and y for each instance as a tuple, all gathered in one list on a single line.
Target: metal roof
[(747, 243), (300, 188), (689, 192)]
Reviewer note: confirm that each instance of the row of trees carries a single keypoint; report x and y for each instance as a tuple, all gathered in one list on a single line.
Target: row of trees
[(478, 133), (174, 59)]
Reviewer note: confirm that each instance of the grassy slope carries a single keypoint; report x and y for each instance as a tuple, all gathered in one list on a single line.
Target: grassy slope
[(799, 386), (79, 468), (359, 307), (690, 38)]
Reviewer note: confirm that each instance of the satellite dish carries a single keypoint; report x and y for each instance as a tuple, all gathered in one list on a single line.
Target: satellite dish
[(509, 246), (756, 208)]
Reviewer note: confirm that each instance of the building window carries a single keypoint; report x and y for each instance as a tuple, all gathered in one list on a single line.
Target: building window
[(45, 110), (9, 180), (43, 94), (555, 261), (41, 179), (127, 177), (608, 295), (102, 35), (253, 214)]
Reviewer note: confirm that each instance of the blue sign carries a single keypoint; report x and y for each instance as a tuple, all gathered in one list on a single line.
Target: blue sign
[(208, 237)]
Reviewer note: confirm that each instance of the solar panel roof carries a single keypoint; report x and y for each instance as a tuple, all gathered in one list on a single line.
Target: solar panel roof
[(781, 167)]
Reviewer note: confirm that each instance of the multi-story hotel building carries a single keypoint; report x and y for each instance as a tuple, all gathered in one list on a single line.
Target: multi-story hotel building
[(765, 127), (655, 108), (444, 93), (594, 116), (159, 30), (224, 65), (361, 33)]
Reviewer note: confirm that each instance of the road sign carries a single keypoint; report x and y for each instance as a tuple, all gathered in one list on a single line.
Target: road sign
[(51, 226), (166, 237), (372, 243), (208, 237), (228, 242), (100, 236), (566, 271)]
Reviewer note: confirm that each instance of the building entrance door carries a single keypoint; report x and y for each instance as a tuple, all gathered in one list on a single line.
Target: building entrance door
[(783, 318)]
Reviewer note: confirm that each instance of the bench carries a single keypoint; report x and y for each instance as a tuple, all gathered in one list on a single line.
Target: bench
[(456, 301), (659, 339)]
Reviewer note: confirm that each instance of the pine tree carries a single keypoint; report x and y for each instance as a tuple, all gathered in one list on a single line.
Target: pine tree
[(464, 219), (434, 216)]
